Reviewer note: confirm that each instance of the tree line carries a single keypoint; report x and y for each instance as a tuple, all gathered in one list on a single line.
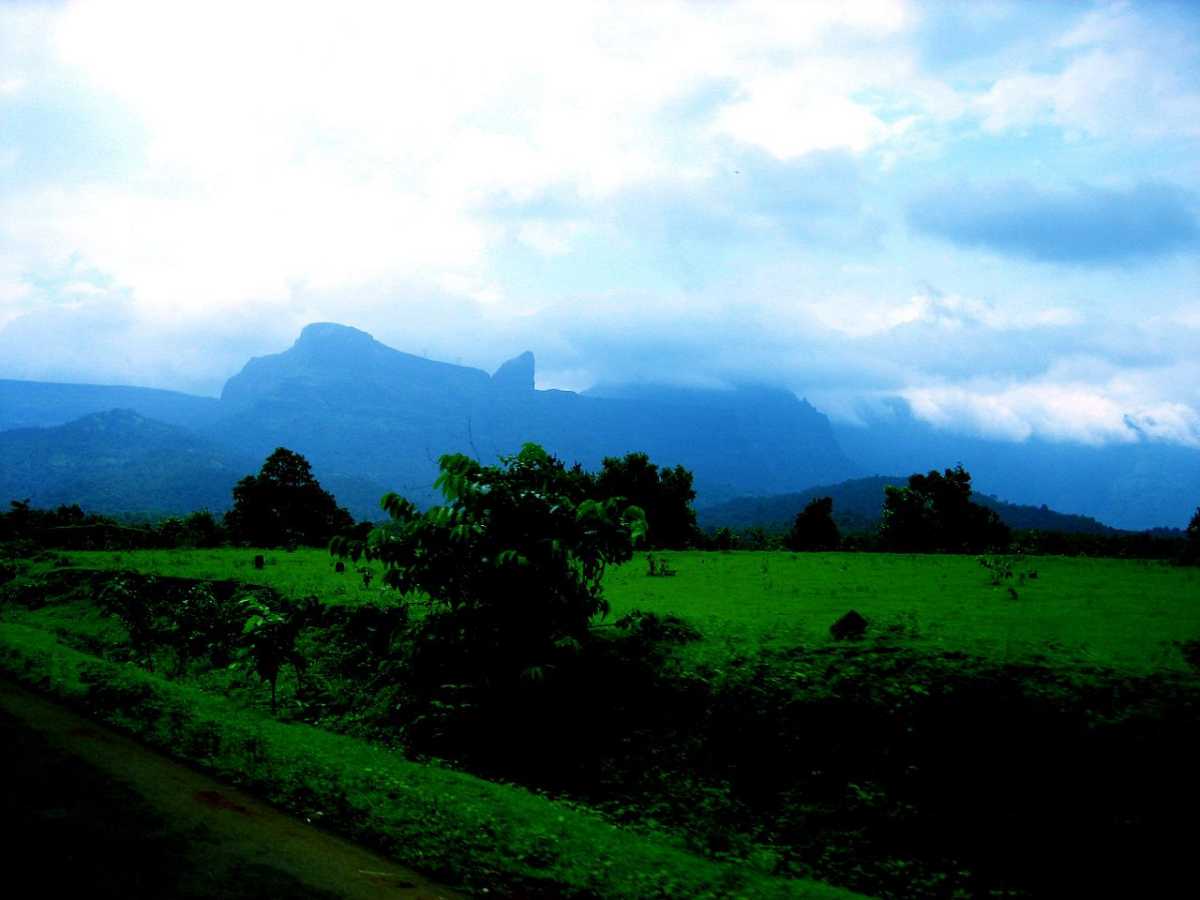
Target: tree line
[(283, 505)]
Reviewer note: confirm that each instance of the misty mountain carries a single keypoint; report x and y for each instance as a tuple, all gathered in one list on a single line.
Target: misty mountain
[(372, 419), (858, 503), (354, 406), (118, 462), (37, 404), (1135, 485)]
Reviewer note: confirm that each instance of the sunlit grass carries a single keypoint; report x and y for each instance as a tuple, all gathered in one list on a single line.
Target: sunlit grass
[(1123, 613)]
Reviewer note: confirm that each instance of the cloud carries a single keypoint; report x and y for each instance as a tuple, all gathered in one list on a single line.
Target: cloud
[(1121, 409), (1085, 224), (1119, 71), (710, 192)]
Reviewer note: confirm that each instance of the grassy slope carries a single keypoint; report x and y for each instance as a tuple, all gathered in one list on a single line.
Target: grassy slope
[(1121, 613), (445, 822)]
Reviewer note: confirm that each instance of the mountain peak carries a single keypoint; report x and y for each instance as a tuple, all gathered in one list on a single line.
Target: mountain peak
[(516, 374), (332, 336)]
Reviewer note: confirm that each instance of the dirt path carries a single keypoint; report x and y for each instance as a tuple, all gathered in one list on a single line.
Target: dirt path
[(87, 812)]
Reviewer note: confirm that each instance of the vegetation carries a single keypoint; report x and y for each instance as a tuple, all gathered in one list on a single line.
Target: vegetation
[(510, 572), (283, 505), (897, 765), (935, 514), (965, 731), (665, 495), (814, 528), (1191, 552), (457, 827)]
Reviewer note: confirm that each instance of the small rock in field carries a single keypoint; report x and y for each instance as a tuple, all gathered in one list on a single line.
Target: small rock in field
[(851, 625)]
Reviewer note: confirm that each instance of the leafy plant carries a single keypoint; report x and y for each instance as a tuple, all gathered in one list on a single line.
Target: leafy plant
[(512, 563), (270, 641)]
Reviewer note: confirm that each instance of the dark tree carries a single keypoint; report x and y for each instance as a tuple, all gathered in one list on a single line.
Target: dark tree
[(1191, 549), (665, 495), (284, 505), (935, 514), (814, 528)]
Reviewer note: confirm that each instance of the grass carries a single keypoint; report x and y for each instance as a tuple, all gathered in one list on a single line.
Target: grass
[(299, 573), (1120, 613), (448, 823)]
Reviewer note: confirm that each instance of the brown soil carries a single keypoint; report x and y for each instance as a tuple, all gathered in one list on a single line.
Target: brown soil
[(87, 812)]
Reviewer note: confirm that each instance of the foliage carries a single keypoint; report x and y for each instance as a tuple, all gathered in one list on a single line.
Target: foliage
[(284, 505), (199, 529), (206, 627), (665, 495), (1191, 550), (270, 640), (511, 565), (491, 838), (814, 528), (934, 513)]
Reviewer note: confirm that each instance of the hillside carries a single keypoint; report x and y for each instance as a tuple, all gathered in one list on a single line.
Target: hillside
[(1135, 484), (857, 504), (38, 404), (118, 462)]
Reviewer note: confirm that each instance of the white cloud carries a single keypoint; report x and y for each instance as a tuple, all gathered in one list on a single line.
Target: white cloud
[(1071, 403), (300, 161), (1124, 77)]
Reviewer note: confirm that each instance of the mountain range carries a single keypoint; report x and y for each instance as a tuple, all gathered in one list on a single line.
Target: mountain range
[(372, 419)]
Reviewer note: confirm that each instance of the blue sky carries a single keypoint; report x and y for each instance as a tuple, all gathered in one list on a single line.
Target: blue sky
[(991, 209)]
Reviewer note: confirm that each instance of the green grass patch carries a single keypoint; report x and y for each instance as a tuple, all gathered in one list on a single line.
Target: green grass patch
[(450, 824), (1109, 612), (1125, 614), (304, 572)]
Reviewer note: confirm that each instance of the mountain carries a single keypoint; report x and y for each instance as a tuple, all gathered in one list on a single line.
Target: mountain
[(118, 462), (371, 419), (37, 404), (354, 406), (857, 505), (1135, 485)]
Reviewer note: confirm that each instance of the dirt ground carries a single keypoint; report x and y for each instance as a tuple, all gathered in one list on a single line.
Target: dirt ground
[(86, 812)]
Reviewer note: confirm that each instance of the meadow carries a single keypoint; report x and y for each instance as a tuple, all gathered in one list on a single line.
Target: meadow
[(1003, 720), (1121, 613)]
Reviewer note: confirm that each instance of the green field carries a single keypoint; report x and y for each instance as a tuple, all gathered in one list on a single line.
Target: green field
[(1125, 614), (998, 726)]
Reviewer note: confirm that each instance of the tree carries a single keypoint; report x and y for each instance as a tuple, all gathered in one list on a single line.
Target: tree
[(284, 505), (814, 528), (1191, 549), (511, 564), (665, 495), (935, 513)]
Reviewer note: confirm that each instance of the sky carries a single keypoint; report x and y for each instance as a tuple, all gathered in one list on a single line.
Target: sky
[(989, 209)]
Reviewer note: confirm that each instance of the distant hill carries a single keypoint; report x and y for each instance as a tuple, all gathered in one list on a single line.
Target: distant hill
[(857, 505), (1135, 485), (372, 419), (39, 404), (118, 462)]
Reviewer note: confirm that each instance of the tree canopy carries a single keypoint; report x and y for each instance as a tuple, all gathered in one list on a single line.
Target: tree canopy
[(512, 563), (665, 495), (934, 513), (284, 505), (1191, 549), (814, 528)]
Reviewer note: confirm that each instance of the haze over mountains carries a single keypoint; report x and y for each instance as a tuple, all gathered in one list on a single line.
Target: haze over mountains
[(373, 419)]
